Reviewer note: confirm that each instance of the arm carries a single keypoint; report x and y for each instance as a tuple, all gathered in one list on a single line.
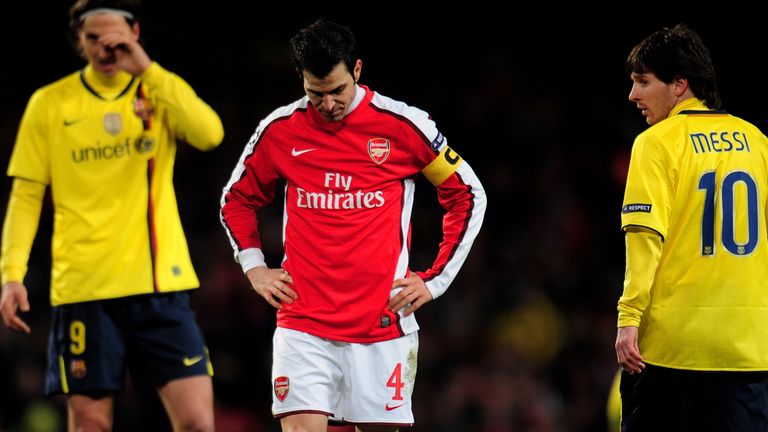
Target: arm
[(250, 188), (462, 196), (21, 221), (643, 248), (194, 121)]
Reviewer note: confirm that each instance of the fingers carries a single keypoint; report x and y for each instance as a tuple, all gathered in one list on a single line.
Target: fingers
[(629, 358), (273, 285), (18, 324)]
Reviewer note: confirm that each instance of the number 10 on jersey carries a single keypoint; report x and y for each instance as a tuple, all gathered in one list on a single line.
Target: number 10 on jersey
[(707, 183)]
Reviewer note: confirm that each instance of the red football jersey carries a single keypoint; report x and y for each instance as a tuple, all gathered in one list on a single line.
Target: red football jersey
[(348, 200)]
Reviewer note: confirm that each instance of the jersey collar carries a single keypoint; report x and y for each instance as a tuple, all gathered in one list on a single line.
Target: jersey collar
[(104, 87), (691, 106)]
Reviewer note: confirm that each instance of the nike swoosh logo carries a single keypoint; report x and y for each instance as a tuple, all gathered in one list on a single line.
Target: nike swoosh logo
[(295, 152), (190, 361), (390, 408), (71, 122)]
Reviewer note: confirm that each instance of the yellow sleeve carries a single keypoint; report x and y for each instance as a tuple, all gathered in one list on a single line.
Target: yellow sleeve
[(194, 120), (643, 250), (30, 159), (649, 194), (21, 220)]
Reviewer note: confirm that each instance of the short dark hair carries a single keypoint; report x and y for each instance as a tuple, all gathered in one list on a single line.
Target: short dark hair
[(82, 6), (676, 53), (322, 45)]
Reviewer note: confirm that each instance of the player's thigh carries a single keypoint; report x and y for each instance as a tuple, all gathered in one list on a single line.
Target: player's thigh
[(305, 422), (86, 349), (189, 402), (306, 374), (378, 382), (165, 342), (90, 412)]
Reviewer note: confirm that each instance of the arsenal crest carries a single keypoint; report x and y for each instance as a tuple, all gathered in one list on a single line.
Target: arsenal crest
[(282, 385), (378, 149), (113, 123), (77, 368)]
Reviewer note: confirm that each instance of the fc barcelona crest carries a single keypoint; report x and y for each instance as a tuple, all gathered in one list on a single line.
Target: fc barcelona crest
[(378, 149), (113, 123), (282, 385), (77, 368), (143, 109)]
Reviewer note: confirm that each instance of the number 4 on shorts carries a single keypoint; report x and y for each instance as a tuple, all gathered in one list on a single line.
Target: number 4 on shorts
[(395, 381)]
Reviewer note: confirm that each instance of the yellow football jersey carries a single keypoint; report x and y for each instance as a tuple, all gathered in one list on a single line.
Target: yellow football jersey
[(700, 179), (108, 154)]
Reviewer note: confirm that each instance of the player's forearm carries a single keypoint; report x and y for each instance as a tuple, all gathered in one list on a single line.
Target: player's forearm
[(21, 220), (643, 250), (463, 197), (196, 122)]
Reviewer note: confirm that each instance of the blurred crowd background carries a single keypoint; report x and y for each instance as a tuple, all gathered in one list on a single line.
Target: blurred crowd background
[(535, 102)]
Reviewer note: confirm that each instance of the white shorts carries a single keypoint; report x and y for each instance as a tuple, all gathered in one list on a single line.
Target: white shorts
[(353, 382)]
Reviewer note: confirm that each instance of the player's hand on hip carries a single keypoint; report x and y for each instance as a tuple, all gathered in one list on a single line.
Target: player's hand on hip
[(13, 298), (414, 292), (273, 285), (129, 53), (627, 351)]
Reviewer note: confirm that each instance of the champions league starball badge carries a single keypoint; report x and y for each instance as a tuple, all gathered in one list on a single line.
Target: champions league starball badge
[(113, 123)]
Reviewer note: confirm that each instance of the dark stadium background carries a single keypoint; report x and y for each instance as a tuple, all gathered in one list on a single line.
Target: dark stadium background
[(536, 102)]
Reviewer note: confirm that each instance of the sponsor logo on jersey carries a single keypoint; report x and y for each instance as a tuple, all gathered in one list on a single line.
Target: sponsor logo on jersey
[(102, 151), (438, 141), (636, 208), (378, 150), (282, 385), (77, 368), (113, 123)]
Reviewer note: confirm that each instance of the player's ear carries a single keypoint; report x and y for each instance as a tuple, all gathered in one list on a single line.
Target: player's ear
[(356, 71), (679, 86), (135, 31)]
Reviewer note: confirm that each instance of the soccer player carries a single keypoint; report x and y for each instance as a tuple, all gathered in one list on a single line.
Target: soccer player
[(691, 324), (104, 140), (346, 339)]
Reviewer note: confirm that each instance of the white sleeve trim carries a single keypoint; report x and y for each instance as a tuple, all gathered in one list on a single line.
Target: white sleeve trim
[(251, 258)]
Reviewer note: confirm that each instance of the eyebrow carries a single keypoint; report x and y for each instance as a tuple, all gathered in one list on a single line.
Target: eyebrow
[(334, 91)]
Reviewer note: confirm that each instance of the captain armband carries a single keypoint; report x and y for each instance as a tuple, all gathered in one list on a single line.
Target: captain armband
[(445, 164)]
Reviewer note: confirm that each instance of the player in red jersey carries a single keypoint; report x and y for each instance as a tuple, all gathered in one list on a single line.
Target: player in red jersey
[(347, 339)]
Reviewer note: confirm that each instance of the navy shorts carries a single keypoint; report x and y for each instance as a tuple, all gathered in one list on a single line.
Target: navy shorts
[(155, 337), (662, 399)]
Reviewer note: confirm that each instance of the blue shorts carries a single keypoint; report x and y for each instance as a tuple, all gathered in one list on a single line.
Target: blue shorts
[(91, 344), (663, 399)]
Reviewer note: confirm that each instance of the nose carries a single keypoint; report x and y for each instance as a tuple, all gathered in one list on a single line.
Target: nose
[(328, 102), (633, 94)]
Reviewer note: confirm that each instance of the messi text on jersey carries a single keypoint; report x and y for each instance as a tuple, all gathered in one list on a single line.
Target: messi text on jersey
[(720, 141)]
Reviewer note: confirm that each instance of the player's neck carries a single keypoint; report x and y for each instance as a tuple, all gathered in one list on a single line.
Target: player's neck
[(106, 84)]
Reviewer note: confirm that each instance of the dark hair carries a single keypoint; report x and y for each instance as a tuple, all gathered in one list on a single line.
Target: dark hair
[(322, 45), (82, 6), (676, 53)]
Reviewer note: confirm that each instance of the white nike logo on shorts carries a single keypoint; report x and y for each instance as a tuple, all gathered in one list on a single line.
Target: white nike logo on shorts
[(295, 152)]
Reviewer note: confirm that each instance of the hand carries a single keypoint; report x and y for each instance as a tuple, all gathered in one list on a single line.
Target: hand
[(129, 54), (627, 352), (272, 285), (414, 292), (14, 297)]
